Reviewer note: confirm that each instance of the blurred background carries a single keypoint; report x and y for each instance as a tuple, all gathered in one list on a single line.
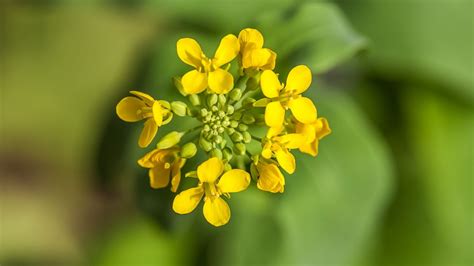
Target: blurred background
[(393, 184)]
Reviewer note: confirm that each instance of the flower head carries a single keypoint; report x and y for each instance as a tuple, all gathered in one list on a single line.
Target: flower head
[(142, 106), (212, 185), (289, 96), (253, 55), (278, 145), (313, 133), (208, 72)]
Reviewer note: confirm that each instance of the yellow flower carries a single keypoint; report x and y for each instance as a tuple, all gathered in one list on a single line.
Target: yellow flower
[(278, 145), (270, 178), (143, 106), (216, 211), (163, 164), (289, 96), (313, 133), (252, 52), (208, 72)]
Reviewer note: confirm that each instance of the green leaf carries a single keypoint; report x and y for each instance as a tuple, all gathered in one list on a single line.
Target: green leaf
[(330, 207), (317, 34)]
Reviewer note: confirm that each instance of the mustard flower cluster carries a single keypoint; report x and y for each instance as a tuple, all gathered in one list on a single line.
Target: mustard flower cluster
[(229, 111)]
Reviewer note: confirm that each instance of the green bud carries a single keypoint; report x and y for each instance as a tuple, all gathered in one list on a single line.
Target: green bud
[(234, 123), (221, 114), (225, 123), (237, 137), (212, 100), (203, 112), (218, 139), (206, 128), (223, 143), (230, 131), (220, 130), (188, 150), (246, 136), (237, 116), (169, 140), (262, 102), (216, 153), (205, 145), (248, 101), (222, 99), (230, 109), (243, 127), (194, 99), (214, 108), (235, 94), (177, 83), (179, 108), (240, 148), (227, 167), (227, 153), (248, 119)]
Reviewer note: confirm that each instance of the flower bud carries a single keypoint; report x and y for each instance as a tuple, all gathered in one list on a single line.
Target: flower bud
[(188, 150), (179, 108), (235, 94), (262, 102), (248, 101), (205, 144), (227, 153), (247, 137), (212, 100), (243, 127), (234, 124), (216, 153), (240, 148), (237, 137), (248, 119), (177, 83), (169, 140), (194, 99), (222, 99)]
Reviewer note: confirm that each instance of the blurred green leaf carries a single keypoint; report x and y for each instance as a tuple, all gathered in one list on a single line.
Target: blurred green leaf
[(330, 207), (420, 40), (316, 34)]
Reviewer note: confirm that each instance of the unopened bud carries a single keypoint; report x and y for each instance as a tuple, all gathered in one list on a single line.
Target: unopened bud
[(169, 140), (216, 153), (222, 99), (248, 101), (179, 108), (240, 148), (212, 100), (237, 137), (234, 123), (177, 83), (188, 150), (205, 145), (246, 136), (243, 127), (248, 119), (194, 99), (235, 94), (230, 109), (227, 154)]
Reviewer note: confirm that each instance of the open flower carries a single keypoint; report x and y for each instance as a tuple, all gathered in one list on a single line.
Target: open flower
[(142, 106), (313, 133), (270, 177), (278, 145), (216, 211), (289, 96), (252, 53), (208, 71)]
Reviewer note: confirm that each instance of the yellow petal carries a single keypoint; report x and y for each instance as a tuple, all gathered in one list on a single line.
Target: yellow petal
[(274, 131), (159, 176), (299, 79), (176, 174), (259, 58), (186, 201), (270, 84), (274, 114), (250, 39), (145, 97), (307, 130), (220, 81), (216, 211), (194, 82), (293, 140), (228, 49), (128, 109), (266, 151), (303, 110), (148, 133), (286, 160), (310, 148), (210, 170), (234, 180), (157, 113), (189, 52), (147, 160), (322, 128), (270, 178)]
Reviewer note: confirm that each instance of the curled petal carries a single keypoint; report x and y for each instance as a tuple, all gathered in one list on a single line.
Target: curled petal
[(176, 174), (293, 140), (274, 114), (234, 180), (220, 81), (145, 97), (259, 58), (270, 178), (186, 201), (128, 109), (189, 51), (228, 49), (322, 128), (286, 160), (194, 82), (157, 113), (210, 170), (299, 79), (303, 109), (250, 39), (148, 133), (310, 148), (216, 211), (307, 130), (270, 84), (147, 160), (159, 176)]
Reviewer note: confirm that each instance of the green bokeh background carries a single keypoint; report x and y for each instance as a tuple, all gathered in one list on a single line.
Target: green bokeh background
[(393, 184)]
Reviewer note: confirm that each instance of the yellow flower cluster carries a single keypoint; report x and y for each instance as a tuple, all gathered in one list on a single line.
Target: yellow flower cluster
[(228, 109)]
